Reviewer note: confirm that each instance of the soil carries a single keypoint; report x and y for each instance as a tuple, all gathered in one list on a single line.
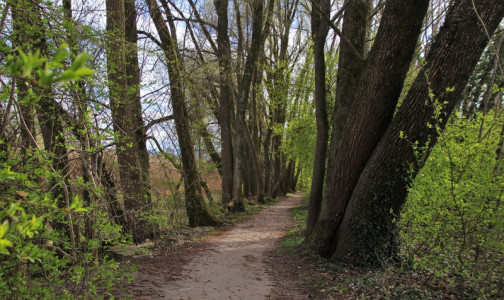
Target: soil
[(240, 263)]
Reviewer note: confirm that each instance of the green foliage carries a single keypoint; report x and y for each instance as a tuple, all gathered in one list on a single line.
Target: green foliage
[(453, 221), (42, 252)]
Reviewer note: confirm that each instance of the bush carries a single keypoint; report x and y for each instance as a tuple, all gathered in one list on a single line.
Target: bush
[(453, 222)]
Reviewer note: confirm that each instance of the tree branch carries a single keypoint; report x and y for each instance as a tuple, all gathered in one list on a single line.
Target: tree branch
[(158, 121)]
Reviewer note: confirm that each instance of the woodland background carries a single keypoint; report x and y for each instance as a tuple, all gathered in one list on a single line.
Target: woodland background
[(123, 120)]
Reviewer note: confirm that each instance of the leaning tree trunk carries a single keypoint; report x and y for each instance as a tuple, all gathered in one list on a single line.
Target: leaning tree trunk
[(367, 231), (198, 212), (381, 85), (351, 65), (319, 28)]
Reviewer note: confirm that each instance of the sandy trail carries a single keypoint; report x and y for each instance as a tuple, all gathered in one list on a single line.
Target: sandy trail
[(233, 267)]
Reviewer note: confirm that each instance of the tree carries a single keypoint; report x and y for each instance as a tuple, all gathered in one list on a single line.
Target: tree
[(383, 184), (257, 43), (197, 209), (319, 30), (379, 90), (127, 119), (225, 99), (375, 160)]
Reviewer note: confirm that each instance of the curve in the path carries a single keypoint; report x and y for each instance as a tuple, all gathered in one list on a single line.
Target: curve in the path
[(234, 268)]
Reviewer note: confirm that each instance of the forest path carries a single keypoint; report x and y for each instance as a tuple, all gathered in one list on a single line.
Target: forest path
[(233, 265)]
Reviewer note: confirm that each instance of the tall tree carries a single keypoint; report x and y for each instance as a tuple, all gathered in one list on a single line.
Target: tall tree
[(319, 30), (133, 83), (125, 119), (381, 85), (257, 42), (350, 68), (225, 99), (367, 229), (278, 78), (197, 209)]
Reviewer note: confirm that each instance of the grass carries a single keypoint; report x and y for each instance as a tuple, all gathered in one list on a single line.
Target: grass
[(337, 280)]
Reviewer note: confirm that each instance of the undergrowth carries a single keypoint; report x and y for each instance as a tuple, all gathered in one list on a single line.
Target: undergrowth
[(337, 280)]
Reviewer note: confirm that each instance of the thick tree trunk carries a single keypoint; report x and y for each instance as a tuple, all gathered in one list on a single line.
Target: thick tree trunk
[(198, 212), (125, 123), (351, 66), (319, 28), (382, 82), (367, 230), (225, 100)]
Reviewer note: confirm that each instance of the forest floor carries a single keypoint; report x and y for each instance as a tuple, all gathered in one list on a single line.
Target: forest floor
[(265, 258), (238, 263)]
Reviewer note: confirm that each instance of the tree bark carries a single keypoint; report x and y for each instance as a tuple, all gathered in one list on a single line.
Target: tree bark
[(241, 107), (350, 69), (198, 212), (367, 230), (125, 123), (225, 100), (382, 82), (133, 84), (319, 28)]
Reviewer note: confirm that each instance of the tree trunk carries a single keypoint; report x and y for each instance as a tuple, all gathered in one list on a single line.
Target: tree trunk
[(241, 107), (382, 82), (320, 28), (225, 99), (351, 66), (367, 230), (125, 123), (133, 84), (198, 212)]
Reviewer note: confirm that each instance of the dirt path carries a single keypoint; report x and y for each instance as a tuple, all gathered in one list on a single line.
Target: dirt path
[(232, 265)]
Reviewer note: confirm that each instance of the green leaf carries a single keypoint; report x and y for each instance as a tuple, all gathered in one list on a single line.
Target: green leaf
[(45, 77), (61, 54), (5, 243), (30, 100), (84, 72), (6, 174), (4, 228), (79, 61), (68, 75)]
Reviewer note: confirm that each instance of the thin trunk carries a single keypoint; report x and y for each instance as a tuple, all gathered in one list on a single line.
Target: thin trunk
[(225, 100), (319, 28), (198, 212), (241, 107)]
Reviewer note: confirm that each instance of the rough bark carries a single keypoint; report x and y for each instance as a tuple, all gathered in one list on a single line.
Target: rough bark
[(367, 231), (350, 69), (225, 99), (198, 212), (241, 106), (381, 85), (319, 28), (125, 123), (133, 84)]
